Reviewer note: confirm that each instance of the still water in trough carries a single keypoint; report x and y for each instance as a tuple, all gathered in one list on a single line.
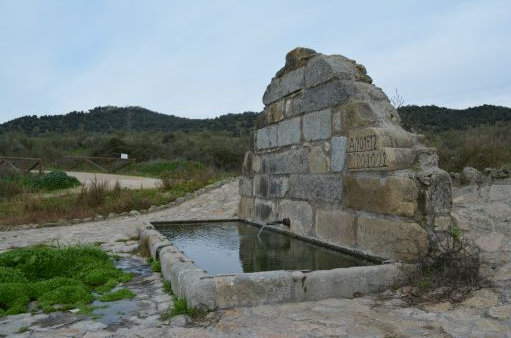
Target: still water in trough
[(235, 247)]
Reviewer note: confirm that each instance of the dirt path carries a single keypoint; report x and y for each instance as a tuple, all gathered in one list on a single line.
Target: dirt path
[(130, 182)]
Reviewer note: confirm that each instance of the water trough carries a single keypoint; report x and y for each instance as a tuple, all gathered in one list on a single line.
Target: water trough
[(331, 272)]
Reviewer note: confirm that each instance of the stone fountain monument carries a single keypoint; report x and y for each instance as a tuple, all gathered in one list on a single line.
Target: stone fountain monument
[(329, 154)]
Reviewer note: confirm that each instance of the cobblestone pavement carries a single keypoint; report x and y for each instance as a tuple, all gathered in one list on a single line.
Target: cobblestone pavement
[(483, 212)]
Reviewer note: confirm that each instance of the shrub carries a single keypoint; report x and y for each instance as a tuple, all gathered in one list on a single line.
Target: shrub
[(94, 193), (55, 180), (451, 265), (9, 189), (117, 189), (481, 147)]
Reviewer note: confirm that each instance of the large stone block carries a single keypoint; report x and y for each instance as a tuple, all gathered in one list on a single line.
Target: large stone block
[(265, 210), (278, 187), (284, 85), (327, 95), (256, 289), (273, 112), (256, 164), (370, 139), (246, 168), (316, 187), (391, 239), (293, 161), (261, 183), (381, 159), (436, 192), (336, 227), (288, 132), (323, 68), (338, 148), (270, 186), (266, 137), (317, 125), (356, 114), (319, 160), (300, 214), (394, 195), (246, 208), (245, 186)]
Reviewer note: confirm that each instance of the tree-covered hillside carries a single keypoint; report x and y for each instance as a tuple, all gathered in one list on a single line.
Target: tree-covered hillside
[(114, 119), (433, 118)]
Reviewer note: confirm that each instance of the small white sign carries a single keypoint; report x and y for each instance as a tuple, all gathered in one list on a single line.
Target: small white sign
[(124, 156)]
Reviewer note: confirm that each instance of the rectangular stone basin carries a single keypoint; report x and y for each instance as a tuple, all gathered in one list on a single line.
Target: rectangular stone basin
[(230, 263)]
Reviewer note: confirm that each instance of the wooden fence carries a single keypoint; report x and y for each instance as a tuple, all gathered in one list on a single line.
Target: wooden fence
[(104, 164), (21, 164)]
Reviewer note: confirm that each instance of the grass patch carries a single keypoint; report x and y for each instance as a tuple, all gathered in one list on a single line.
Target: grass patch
[(180, 307), (156, 266), (117, 295), (57, 278)]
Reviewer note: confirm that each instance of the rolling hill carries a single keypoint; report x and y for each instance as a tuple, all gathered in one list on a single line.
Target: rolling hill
[(111, 119)]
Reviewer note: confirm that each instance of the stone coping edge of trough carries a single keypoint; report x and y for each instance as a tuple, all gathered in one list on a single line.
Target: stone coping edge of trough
[(250, 289)]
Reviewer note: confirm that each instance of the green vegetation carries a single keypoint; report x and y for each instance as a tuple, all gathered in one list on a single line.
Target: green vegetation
[(112, 119), (432, 118), (477, 137), (117, 295), (180, 307), (156, 266), (12, 184), (97, 197), (221, 150), (54, 180), (221, 143), (56, 278), (479, 147)]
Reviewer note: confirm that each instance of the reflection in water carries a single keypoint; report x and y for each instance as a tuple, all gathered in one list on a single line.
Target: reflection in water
[(222, 248)]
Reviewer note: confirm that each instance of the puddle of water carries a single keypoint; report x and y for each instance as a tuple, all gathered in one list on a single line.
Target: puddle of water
[(134, 266), (111, 313), (235, 247), (115, 312)]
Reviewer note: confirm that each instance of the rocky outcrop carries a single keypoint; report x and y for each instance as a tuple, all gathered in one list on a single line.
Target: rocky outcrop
[(330, 154)]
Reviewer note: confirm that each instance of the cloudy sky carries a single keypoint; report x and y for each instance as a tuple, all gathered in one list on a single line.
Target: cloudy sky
[(207, 58)]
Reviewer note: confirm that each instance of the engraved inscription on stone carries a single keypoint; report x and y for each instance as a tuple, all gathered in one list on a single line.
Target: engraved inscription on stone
[(363, 153), (376, 159), (362, 143)]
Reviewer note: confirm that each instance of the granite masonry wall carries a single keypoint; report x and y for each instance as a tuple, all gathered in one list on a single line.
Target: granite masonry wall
[(329, 154)]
